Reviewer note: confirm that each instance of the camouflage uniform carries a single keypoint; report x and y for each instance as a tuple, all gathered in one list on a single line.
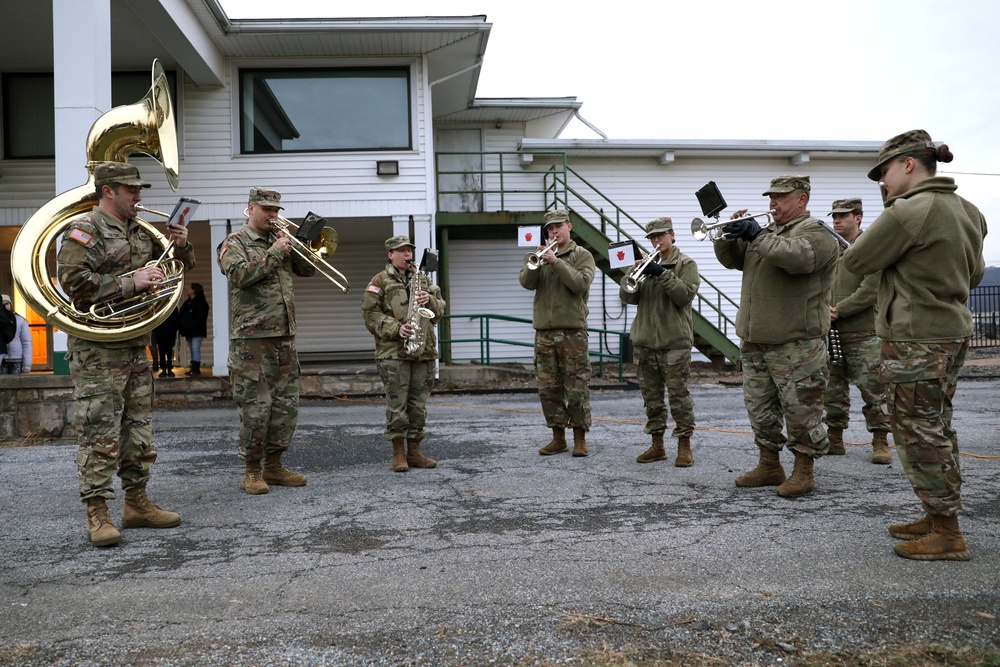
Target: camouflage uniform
[(263, 360), (663, 334), (783, 319), (408, 380), (928, 243), (562, 350), (855, 297), (112, 382)]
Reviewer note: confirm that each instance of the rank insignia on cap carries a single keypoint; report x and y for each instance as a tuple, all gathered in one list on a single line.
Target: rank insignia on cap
[(81, 237), (374, 289)]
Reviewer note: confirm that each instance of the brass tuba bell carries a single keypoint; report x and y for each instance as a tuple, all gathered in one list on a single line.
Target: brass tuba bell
[(147, 127)]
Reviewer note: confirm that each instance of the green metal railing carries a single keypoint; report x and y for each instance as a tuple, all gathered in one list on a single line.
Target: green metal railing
[(486, 340), (564, 187)]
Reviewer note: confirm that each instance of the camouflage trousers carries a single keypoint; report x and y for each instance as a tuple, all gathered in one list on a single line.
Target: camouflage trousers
[(408, 386), (562, 366), (862, 351), (670, 370), (784, 385), (265, 376), (113, 399), (921, 378)]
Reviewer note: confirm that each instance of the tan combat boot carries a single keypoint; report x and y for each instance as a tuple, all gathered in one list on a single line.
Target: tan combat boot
[(880, 448), (557, 445), (655, 451), (684, 457), (767, 473), (945, 543), (253, 481), (399, 463), (801, 481), (912, 531), (277, 474), (836, 436), (141, 512), (414, 458), (580, 442), (102, 532)]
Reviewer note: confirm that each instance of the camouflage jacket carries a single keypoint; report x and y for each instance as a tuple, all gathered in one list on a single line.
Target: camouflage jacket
[(854, 297), (96, 251), (785, 295), (561, 290), (928, 244), (261, 297), (385, 307), (663, 319)]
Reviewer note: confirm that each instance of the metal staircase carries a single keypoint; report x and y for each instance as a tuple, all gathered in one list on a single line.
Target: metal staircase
[(595, 220)]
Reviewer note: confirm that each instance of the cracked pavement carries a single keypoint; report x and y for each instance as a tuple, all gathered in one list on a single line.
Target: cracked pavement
[(484, 557)]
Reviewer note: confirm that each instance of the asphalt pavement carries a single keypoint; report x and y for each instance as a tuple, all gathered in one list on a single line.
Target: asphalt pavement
[(497, 556)]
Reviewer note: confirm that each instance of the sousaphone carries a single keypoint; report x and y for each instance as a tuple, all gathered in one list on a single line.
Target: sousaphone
[(147, 127)]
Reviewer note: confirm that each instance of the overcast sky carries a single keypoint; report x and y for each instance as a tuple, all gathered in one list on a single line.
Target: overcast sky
[(768, 69)]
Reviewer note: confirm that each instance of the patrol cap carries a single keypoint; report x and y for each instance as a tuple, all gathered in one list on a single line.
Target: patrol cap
[(845, 206), (265, 197), (907, 142), (107, 173), (552, 217), (789, 183), (659, 226), (398, 242), (5, 298)]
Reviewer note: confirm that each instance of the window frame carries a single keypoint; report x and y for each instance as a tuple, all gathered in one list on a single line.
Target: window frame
[(240, 70)]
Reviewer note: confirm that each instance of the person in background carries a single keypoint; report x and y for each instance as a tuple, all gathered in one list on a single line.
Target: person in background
[(562, 349), (165, 337), (17, 358), (663, 334), (194, 324), (783, 321), (105, 254), (408, 375), (928, 244), (852, 320), (263, 360)]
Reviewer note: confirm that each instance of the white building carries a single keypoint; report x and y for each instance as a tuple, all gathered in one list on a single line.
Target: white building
[(312, 107)]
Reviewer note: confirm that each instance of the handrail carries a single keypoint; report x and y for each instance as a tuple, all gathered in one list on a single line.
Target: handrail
[(558, 192), (485, 339)]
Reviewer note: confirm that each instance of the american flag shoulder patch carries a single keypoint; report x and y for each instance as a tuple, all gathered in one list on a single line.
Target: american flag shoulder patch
[(374, 289), (222, 251), (81, 237)]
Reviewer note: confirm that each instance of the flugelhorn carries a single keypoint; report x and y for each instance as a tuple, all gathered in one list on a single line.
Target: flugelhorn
[(314, 252), (702, 230), (636, 276), (535, 258)]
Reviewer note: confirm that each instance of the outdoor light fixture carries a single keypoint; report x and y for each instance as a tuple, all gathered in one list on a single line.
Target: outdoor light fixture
[(387, 168)]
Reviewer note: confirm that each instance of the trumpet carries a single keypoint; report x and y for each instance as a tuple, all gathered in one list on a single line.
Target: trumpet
[(636, 276), (535, 258), (702, 230), (173, 274), (315, 252)]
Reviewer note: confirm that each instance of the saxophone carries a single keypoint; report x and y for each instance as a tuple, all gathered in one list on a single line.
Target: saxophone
[(418, 317)]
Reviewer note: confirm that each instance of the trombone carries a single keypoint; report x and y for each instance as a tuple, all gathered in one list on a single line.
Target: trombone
[(702, 230), (313, 252), (173, 274), (535, 258), (636, 276)]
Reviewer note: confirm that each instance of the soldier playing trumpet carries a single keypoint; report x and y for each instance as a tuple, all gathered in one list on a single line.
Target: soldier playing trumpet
[(663, 334)]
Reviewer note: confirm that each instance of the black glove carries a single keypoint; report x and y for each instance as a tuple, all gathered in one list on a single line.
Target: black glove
[(653, 269), (747, 230)]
